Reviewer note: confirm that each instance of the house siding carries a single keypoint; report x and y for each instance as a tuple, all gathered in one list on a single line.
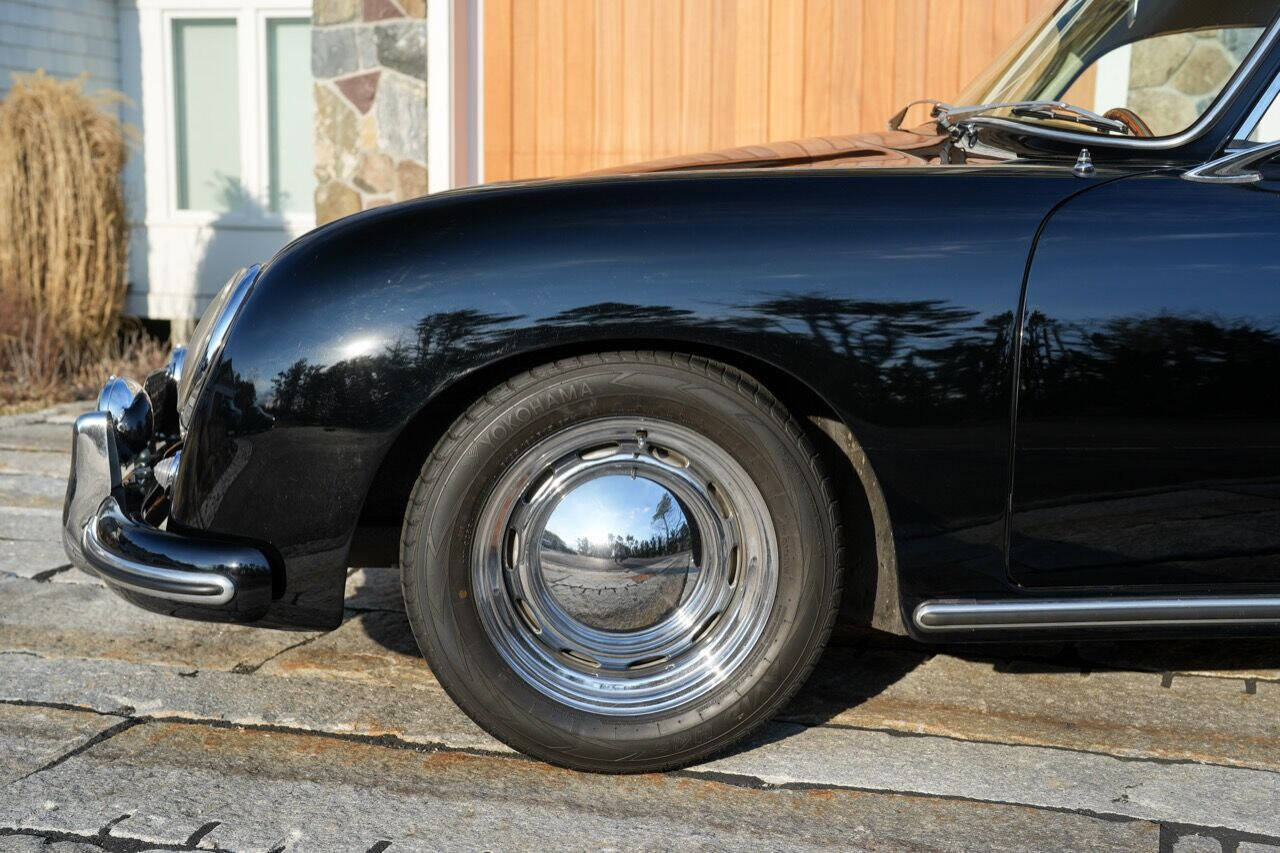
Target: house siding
[(63, 37)]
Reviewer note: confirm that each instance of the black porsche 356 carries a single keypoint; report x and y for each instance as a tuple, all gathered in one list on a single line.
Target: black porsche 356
[(1011, 374)]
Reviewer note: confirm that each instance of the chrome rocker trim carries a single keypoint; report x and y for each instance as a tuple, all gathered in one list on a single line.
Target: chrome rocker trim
[(954, 616), (137, 559)]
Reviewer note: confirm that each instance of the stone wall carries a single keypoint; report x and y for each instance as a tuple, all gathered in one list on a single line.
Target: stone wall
[(1174, 78), (369, 60)]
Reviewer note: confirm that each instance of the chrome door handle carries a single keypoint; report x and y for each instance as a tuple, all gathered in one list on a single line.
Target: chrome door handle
[(1233, 168)]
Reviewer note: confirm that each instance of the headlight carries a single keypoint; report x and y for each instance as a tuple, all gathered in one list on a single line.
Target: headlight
[(210, 335)]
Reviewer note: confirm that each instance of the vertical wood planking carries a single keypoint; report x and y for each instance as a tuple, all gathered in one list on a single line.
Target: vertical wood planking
[(497, 90), (846, 66), (877, 43), (911, 34), (575, 85), (724, 72), (637, 81), (524, 89), (786, 69), (579, 85), (549, 158), (942, 52), (668, 78), (695, 60), (977, 40), (1008, 19), (751, 71), (816, 100), (608, 85)]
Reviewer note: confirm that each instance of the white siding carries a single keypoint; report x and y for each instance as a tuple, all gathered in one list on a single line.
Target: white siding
[(64, 37)]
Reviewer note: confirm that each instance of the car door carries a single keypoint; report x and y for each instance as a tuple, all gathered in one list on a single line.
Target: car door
[(1147, 446)]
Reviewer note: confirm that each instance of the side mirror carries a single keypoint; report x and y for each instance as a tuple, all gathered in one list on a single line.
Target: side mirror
[(1234, 168)]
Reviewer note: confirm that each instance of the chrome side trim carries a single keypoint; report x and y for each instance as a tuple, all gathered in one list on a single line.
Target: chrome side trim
[(943, 616), (1234, 168), (1243, 74)]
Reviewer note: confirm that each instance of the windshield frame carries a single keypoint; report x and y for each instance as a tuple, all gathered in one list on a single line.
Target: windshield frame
[(1243, 74)]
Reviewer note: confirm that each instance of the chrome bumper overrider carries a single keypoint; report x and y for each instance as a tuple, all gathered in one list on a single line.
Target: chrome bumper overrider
[(138, 559)]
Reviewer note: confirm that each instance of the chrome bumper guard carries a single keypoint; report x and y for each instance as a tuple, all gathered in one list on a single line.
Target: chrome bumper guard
[(138, 559)]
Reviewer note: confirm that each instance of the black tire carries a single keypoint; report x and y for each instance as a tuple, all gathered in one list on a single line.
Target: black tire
[(720, 403)]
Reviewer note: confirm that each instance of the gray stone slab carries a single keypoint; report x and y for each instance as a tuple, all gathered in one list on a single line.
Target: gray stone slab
[(75, 620), (35, 436), (27, 558), (402, 46), (421, 714), (77, 576), (374, 589), (47, 463), (1185, 793), (22, 418), (303, 792), (32, 490), (32, 737), (31, 524), (333, 52), (1196, 843), (1199, 794), (401, 117), (1255, 658), (37, 844), (1124, 713), (375, 647), (66, 413)]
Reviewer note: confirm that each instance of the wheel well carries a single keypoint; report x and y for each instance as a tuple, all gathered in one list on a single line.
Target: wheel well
[(870, 588)]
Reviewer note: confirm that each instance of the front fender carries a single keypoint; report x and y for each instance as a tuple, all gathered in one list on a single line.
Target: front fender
[(890, 293)]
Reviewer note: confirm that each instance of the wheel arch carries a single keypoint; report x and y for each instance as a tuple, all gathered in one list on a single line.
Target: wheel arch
[(870, 561)]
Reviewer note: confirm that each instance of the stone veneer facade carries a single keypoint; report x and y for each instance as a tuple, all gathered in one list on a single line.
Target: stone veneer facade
[(1175, 77), (369, 61)]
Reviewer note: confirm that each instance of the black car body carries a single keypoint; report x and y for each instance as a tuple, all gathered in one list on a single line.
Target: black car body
[(1039, 360)]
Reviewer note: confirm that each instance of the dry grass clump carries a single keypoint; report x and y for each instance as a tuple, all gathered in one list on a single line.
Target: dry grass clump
[(62, 249), (62, 244), (38, 369)]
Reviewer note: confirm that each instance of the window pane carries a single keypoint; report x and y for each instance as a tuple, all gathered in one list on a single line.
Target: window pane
[(1268, 127), (1170, 80), (289, 102), (207, 110)]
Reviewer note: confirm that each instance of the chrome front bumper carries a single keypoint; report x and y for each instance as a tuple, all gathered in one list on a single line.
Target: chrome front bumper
[(148, 565)]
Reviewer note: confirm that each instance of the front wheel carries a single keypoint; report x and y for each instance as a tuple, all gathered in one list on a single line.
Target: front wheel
[(623, 562)]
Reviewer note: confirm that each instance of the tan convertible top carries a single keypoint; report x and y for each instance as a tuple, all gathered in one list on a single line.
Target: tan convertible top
[(888, 148)]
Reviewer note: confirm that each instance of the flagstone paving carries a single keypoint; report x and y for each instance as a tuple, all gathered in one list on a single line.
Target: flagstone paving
[(125, 731)]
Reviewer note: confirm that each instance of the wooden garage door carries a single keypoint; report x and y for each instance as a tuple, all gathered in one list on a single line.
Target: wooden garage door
[(574, 85)]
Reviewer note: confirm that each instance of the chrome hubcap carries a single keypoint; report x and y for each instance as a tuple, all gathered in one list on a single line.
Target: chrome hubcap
[(625, 566)]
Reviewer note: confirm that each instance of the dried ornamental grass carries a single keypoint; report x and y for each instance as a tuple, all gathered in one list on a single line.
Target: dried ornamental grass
[(37, 369), (64, 237)]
